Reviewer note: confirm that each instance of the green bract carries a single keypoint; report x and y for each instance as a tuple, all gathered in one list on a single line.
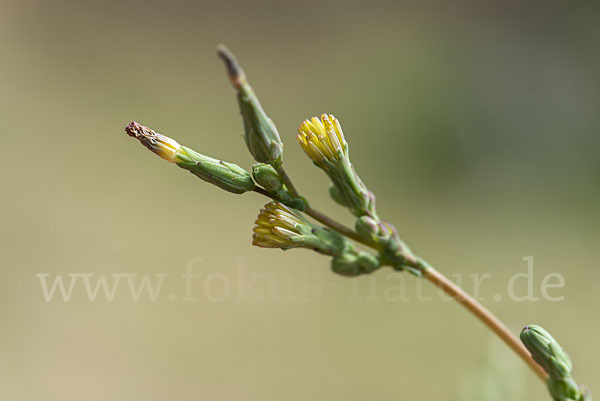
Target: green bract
[(266, 176), (227, 176), (352, 264)]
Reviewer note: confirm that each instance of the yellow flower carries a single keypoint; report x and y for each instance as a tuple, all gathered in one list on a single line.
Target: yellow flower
[(163, 146), (322, 139), (275, 226)]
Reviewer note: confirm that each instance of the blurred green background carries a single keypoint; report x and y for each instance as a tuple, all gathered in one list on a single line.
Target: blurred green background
[(475, 123)]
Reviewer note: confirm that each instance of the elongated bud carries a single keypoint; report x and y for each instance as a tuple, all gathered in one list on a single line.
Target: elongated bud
[(260, 133), (546, 351), (227, 176)]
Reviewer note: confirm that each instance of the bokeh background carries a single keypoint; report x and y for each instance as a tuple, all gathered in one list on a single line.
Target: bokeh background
[(475, 123)]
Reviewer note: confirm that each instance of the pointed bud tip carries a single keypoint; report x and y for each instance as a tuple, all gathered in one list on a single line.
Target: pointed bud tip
[(234, 71)]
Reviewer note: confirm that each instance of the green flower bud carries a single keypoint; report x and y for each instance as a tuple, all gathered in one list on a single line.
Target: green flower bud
[(366, 227), (260, 133), (546, 351), (393, 251), (266, 176), (345, 265), (227, 176), (372, 230), (352, 263), (368, 263), (564, 390)]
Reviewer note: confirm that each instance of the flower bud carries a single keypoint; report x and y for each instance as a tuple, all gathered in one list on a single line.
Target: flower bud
[(352, 263), (345, 265), (260, 133), (323, 141), (369, 229), (546, 351), (267, 177), (278, 226), (227, 176), (161, 145)]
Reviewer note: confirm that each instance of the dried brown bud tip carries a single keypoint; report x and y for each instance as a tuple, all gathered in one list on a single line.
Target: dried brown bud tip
[(235, 72), (163, 146)]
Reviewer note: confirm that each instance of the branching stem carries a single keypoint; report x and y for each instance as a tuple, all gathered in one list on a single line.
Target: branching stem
[(434, 276), (334, 225)]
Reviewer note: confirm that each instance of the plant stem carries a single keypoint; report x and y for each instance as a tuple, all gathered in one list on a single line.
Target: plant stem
[(483, 314), (334, 225), (431, 274), (288, 182), (320, 217)]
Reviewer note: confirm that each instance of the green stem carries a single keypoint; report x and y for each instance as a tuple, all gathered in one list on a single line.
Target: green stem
[(320, 217), (288, 182), (334, 225)]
